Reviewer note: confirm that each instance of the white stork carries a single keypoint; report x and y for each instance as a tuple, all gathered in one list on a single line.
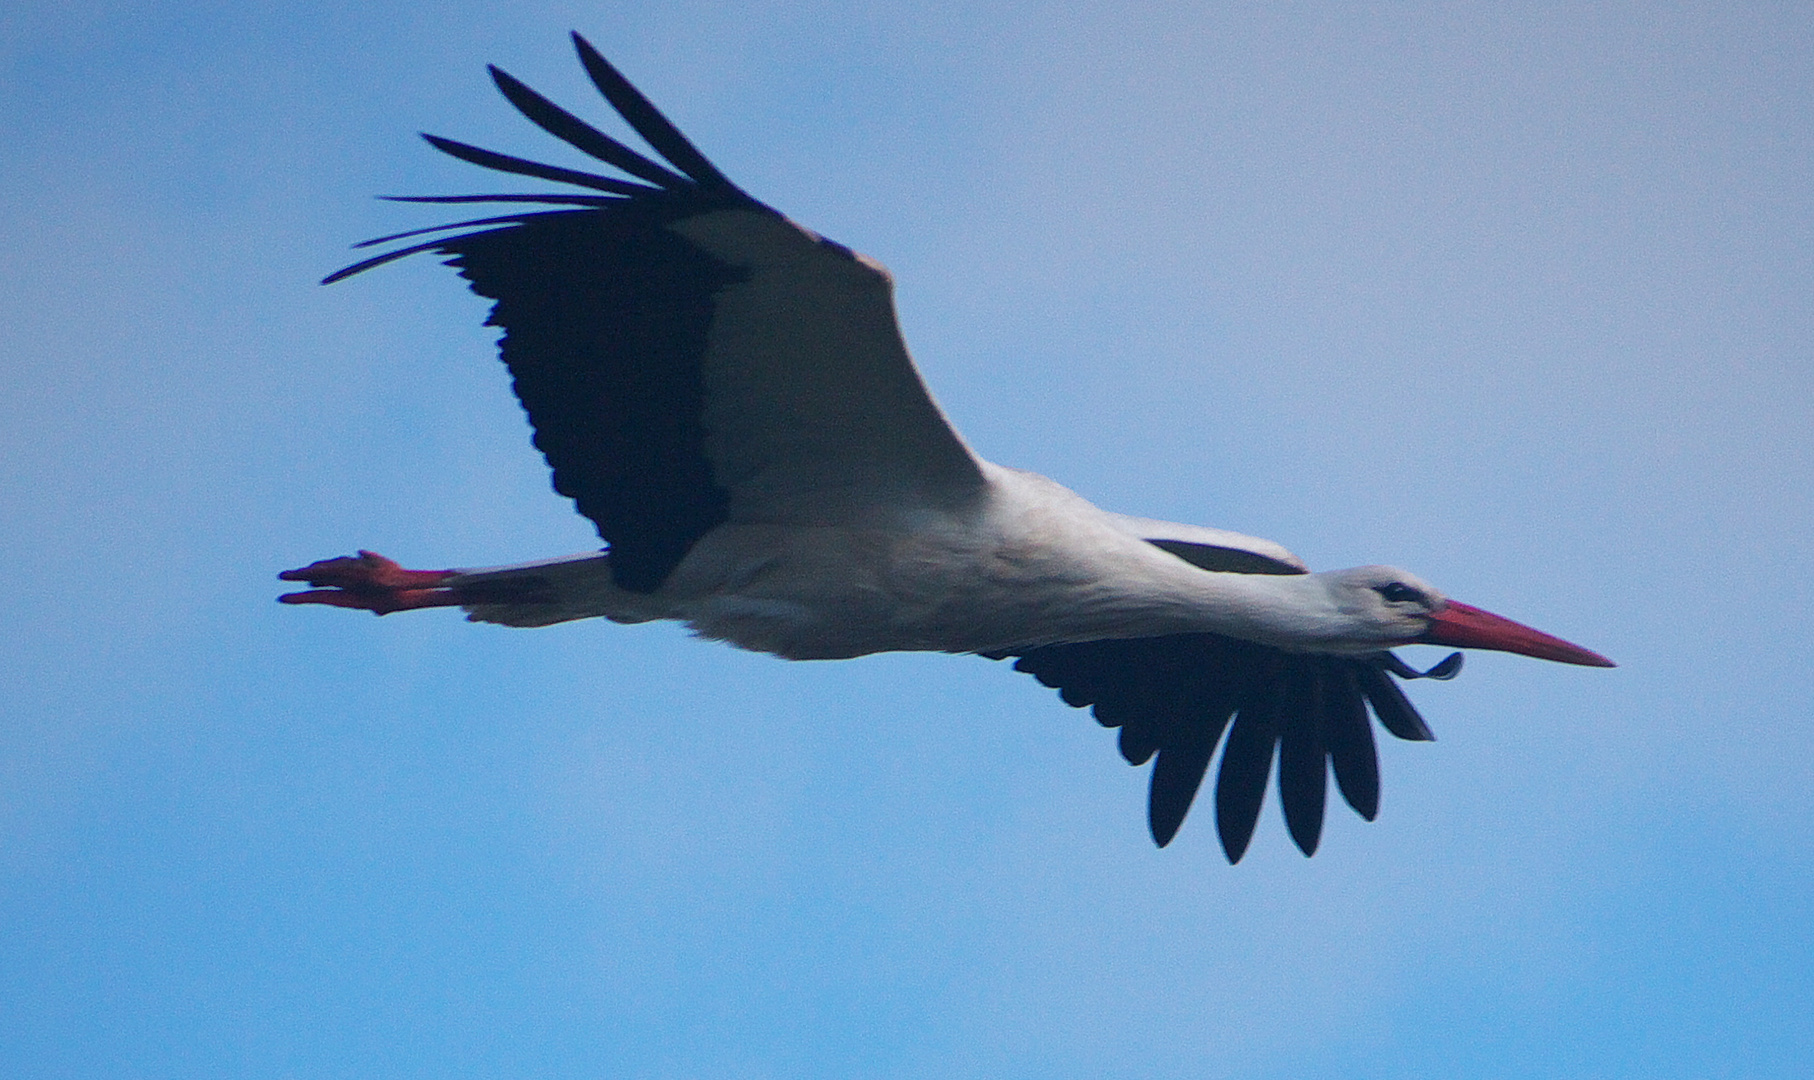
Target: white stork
[(727, 396)]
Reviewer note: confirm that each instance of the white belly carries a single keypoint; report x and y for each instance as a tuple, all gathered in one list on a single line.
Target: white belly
[(1004, 577)]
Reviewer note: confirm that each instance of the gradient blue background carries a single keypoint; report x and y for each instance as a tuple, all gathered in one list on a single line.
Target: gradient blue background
[(1518, 296)]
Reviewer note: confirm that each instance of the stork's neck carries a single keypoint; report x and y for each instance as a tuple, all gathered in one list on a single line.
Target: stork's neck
[(1050, 560), (1142, 591), (1292, 611)]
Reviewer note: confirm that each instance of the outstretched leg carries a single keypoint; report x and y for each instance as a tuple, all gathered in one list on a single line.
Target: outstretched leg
[(370, 582)]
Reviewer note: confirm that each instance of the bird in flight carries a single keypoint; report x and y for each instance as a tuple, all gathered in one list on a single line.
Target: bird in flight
[(726, 394)]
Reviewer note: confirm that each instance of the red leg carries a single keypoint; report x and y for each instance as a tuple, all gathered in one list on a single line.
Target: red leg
[(370, 582)]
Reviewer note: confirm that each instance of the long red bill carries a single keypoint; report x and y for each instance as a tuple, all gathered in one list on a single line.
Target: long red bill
[(1468, 627)]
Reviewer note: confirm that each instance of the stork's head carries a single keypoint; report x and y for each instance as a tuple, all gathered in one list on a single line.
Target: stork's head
[(1398, 608)]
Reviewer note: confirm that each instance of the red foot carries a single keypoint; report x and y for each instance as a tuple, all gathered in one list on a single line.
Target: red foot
[(370, 582)]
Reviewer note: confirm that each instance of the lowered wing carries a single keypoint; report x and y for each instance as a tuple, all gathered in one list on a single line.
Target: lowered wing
[(1175, 696), (687, 356)]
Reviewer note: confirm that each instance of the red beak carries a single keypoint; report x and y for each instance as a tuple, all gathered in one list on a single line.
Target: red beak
[(1467, 627)]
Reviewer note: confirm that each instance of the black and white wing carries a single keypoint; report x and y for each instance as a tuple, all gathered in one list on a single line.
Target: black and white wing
[(1212, 549), (1174, 698), (687, 355)]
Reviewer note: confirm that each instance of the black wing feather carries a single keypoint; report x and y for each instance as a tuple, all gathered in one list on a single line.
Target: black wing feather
[(1173, 697), (1246, 761), (1176, 777), (491, 159), (1394, 710), (392, 256), (556, 200), (1137, 743), (640, 113), (570, 129), (1349, 738), (1303, 775), (502, 219), (1163, 693)]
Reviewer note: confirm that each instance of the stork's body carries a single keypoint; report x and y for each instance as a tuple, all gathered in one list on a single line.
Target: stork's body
[(727, 396), (1023, 563)]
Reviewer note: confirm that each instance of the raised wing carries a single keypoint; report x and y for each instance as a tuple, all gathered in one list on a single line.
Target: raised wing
[(1174, 696), (686, 355)]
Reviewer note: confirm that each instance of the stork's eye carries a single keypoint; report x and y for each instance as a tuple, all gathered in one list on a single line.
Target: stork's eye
[(1397, 592)]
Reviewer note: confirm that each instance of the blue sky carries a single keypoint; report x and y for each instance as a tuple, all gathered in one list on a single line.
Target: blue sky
[(1516, 296)]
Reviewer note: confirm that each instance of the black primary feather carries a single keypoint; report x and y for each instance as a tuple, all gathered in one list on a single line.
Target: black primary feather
[(392, 256), (1176, 776), (642, 115), (1246, 761), (1349, 738), (491, 159), (502, 219), (557, 200), (1303, 761), (570, 129), (1392, 707)]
